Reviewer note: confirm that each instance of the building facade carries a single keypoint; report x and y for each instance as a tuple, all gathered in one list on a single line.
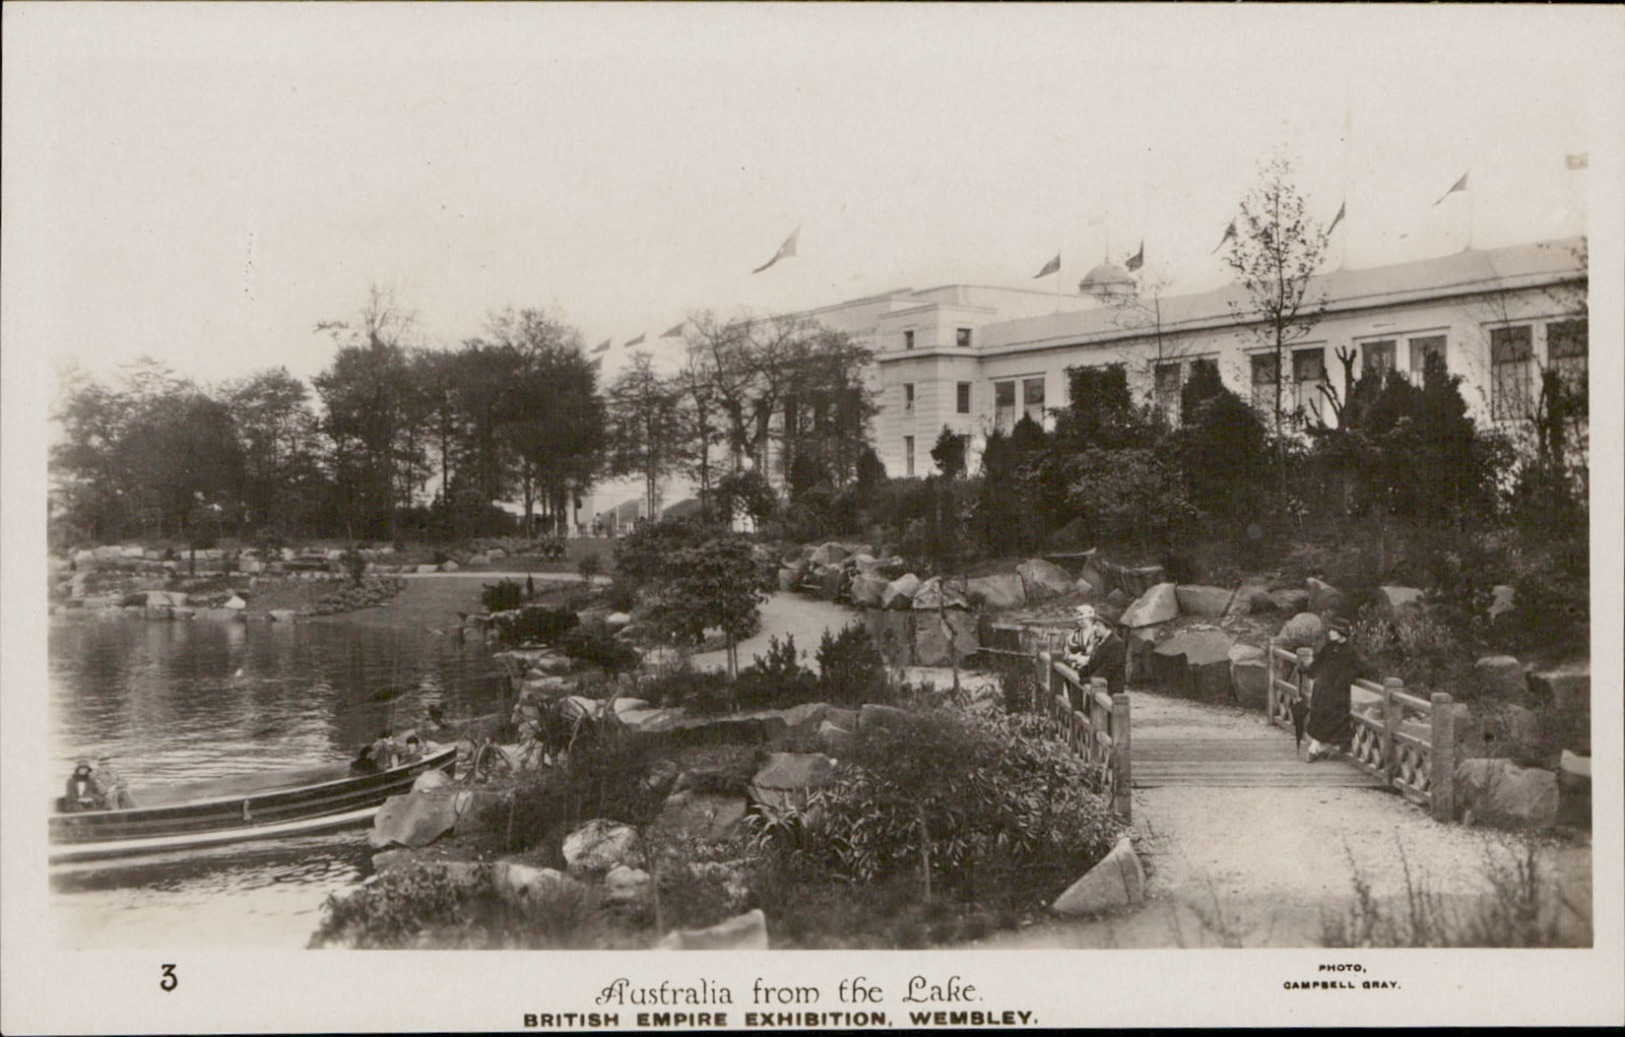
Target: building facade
[(959, 358)]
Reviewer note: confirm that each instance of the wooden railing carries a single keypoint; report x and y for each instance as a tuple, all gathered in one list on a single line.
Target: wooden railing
[(1094, 723), (1406, 740)]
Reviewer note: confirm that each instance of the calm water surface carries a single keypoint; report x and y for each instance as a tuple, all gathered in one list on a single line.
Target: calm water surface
[(187, 700)]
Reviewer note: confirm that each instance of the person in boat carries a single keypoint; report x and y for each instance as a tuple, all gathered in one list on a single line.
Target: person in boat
[(1095, 650), (81, 793), (1334, 670), (385, 751), (412, 752), (111, 791), (363, 763)]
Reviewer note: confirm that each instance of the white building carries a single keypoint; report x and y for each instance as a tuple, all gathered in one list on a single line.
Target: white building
[(961, 357)]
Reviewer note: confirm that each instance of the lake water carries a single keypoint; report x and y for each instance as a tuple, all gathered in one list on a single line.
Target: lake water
[(181, 701)]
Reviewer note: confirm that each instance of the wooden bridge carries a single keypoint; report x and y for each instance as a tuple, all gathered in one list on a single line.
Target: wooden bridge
[(1148, 742)]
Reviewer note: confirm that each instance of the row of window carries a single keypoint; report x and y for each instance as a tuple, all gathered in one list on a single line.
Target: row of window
[(961, 338), (961, 398)]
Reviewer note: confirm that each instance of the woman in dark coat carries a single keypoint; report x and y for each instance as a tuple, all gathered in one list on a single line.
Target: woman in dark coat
[(1334, 670)]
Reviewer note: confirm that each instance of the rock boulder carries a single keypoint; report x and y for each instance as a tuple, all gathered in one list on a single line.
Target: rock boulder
[(690, 815), (416, 819), (1305, 630), (1500, 676), (1397, 600), (1160, 604), (599, 845), (1194, 664), (1197, 600), (1565, 689), (787, 778), (1000, 591), (746, 932), (938, 638), (1043, 580), (869, 591), (624, 885), (1502, 794), (1323, 597), (1250, 675), (938, 593), (1117, 881), (899, 594)]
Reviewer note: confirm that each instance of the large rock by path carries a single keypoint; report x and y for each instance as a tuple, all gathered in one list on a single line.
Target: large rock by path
[(1043, 580), (1194, 664), (599, 845), (1250, 675), (1197, 600), (999, 591), (1160, 604), (1396, 601), (1117, 881), (1502, 794), (746, 932), (1290, 600), (828, 554)]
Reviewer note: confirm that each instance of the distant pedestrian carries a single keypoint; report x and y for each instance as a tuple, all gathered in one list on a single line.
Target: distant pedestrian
[(1334, 669)]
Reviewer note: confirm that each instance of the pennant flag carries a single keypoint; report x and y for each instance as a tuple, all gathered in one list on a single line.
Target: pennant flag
[(598, 363), (785, 251), (1580, 161), (1137, 260), (1459, 185), (601, 347), (635, 342), (1341, 212), (1051, 267), (675, 331), (1229, 233)]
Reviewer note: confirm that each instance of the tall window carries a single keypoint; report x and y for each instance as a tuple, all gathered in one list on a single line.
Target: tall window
[(908, 456), (1032, 398), (1004, 405), (1566, 352), (908, 396), (1376, 358), (962, 398), (1265, 372), (962, 338), (908, 340), (1512, 358), (1169, 380), (1308, 375), (1426, 349)]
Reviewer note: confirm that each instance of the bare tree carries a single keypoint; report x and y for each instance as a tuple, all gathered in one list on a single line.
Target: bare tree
[(1274, 251)]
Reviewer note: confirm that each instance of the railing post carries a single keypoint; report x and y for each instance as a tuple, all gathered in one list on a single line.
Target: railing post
[(1123, 755), (1041, 665), (1271, 696), (1304, 656), (1442, 756), (1391, 711)]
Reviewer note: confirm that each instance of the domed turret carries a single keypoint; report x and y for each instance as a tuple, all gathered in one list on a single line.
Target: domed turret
[(1107, 281)]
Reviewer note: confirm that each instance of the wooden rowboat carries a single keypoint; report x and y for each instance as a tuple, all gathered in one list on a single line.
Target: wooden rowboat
[(226, 810)]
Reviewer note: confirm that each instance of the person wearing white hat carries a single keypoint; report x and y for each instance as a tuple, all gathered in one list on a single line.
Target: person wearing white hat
[(1095, 650)]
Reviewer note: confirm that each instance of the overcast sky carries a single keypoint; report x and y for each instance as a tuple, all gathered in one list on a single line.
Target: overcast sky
[(204, 184)]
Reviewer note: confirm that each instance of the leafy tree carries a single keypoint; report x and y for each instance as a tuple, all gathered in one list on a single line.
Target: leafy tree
[(717, 584), (283, 486), (1274, 251), (1223, 450), (949, 454)]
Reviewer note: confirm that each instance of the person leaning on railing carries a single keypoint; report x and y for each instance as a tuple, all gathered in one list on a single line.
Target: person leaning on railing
[(1095, 650), (1334, 670)]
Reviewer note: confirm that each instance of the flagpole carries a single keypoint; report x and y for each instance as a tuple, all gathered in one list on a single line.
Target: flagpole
[(1469, 211)]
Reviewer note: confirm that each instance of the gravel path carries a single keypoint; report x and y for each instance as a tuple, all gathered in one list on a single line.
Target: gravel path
[(785, 613), (1260, 866)]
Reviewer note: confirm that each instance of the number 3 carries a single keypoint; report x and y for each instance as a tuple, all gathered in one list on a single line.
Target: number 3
[(169, 980)]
